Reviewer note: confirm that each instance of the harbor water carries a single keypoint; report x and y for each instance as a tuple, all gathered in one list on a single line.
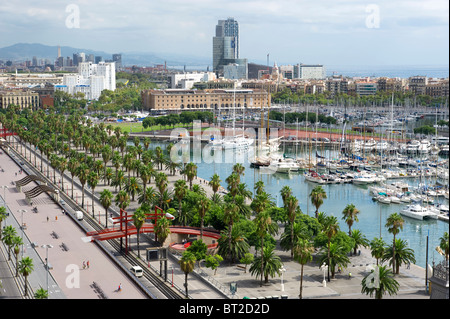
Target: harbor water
[(372, 217)]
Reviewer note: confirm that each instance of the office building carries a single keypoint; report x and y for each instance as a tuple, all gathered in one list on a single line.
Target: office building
[(226, 46), (311, 72), (118, 59)]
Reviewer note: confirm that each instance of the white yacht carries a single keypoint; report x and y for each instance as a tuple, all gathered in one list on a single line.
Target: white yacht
[(419, 212), (413, 146), (424, 147)]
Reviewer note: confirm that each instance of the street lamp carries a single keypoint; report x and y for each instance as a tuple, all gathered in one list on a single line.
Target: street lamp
[(324, 268), (21, 226), (282, 269), (46, 260)]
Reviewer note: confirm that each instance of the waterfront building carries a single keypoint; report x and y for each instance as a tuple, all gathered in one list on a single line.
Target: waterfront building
[(207, 100), (20, 97)]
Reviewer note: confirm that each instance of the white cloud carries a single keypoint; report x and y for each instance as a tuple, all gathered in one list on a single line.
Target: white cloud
[(289, 27)]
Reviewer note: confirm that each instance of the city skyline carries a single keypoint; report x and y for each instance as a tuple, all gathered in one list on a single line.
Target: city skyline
[(329, 32)]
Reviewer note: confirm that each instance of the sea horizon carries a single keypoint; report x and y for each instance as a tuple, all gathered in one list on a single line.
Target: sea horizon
[(391, 71)]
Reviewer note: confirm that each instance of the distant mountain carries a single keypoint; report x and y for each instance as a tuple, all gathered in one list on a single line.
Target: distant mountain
[(26, 51)]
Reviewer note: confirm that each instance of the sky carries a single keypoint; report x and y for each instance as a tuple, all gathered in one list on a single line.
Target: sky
[(329, 32)]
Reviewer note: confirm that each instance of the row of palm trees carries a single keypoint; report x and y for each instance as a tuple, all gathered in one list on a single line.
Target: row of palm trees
[(24, 266)]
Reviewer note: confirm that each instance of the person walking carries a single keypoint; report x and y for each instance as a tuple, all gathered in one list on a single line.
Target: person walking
[(87, 264)]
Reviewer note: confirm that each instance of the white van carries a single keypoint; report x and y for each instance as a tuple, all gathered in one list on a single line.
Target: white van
[(79, 215), (137, 271)]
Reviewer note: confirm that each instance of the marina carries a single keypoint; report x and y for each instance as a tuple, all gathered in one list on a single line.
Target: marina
[(426, 184)]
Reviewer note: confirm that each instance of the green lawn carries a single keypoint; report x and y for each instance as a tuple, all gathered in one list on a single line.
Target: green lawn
[(136, 127)]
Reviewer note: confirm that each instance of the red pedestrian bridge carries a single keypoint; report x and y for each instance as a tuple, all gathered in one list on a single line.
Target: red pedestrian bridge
[(123, 227)]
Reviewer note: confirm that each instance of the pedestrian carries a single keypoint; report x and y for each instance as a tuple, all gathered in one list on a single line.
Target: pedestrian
[(120, 287), (84, 264), (87, 264), (47, 219)]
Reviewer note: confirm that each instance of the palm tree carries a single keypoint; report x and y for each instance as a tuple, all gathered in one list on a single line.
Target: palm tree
[(62, 168), (263, 226), (268, 264), (138, 221), (377, 247), (25, 268), (187, 265), (444, 244), (394, 223), (291, 204), (360, 240), (303, 250), (72, 167), (17, 243), (334, 255), (233, 183), (3, 215), (148, 197), (162, 229), (238, 169), (203, 204), (231, 215), (330, 228), (106, 200), (237, 247), (259, 187), (122, 199), (350, 216), (215, 183), (8, 233), (41, 293), (92, 182), (317, 196), (180, 190), (145, 175), (403, 254), (82, 173), (379, 282), (132, 187), (190, 172), (285, 192)]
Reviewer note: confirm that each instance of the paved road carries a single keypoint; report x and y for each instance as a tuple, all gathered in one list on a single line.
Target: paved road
[(50, 227)]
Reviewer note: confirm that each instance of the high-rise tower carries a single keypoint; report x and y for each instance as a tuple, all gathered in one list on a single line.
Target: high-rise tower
[(225, 43)]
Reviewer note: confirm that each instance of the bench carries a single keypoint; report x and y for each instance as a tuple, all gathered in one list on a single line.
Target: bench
[(64, 247)]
